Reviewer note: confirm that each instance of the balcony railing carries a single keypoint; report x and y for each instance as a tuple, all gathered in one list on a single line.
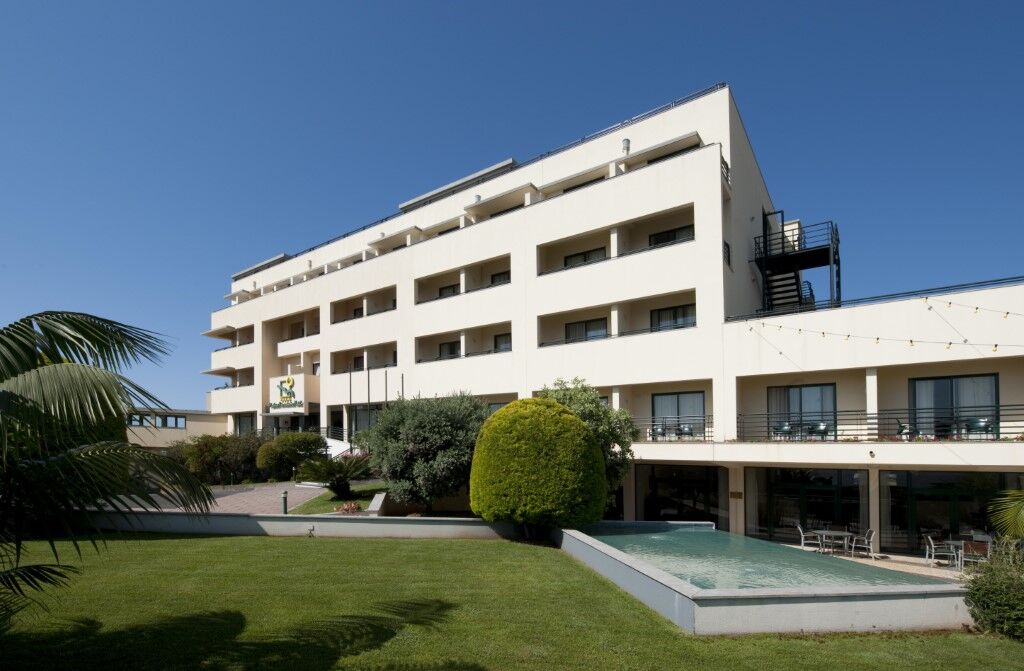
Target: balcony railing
[(795, 239), (300, 337), (965, 423), (621, 334), (681, 428), (352, 317), (449, 357), (233, 345)]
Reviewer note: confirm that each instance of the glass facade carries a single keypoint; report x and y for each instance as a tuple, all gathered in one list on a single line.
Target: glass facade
[(777, 499), (667, 492), (940, 504)]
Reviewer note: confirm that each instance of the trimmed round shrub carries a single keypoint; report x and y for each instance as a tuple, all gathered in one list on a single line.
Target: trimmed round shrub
[(268, 458), (283, 454), (995, 591), (536, 464)]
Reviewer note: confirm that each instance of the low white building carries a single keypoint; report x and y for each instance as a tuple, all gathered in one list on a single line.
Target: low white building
[(649, 259)]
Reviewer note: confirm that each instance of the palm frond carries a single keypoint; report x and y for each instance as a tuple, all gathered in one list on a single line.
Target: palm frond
[(20, 580), (76, 337), (1007, 513), (69, 396)]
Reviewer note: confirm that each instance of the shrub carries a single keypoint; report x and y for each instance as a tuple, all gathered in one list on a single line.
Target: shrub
[(349, 507), (281, 456), (536, 464), (336, 473), (995, 591), (423, 447), (224, 459), (612, 429)]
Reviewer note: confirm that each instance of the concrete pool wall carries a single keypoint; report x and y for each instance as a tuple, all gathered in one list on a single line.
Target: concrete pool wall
[(770, 610)]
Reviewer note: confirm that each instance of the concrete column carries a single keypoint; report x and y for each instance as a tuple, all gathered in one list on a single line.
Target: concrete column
[(723, 394), (366, 306), (532, 197), (462, 280), (462, 343), (629, 495), (464, 221), (616, 399), (366, 363), (613, 242), (613, 321), (345, 420), (737, 503), (875, 508), (871, 402)]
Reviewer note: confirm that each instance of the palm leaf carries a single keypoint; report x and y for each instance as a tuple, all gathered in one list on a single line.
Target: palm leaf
[(74, 337), (1007, 513), (20, 580)]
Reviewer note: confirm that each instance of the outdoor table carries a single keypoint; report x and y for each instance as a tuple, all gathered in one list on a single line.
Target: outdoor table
[(826, 534)]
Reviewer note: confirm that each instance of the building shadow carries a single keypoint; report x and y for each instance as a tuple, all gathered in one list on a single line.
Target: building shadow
[(213, 640)]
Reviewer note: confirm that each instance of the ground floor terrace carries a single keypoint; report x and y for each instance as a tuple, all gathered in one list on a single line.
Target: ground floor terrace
[(903, 505)]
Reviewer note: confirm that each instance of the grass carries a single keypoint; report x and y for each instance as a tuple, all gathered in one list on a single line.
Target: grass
[(425, 605), (326, 502)]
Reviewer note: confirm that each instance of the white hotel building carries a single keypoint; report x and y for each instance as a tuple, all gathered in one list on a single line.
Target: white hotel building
[(650, 259)]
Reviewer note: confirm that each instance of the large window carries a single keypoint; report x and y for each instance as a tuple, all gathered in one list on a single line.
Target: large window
[(358, 362), (943, 505), (503, 342), (140, 419), (681, 234), (682, 493), (778, 499), (590, 329), (504, 277), (955, 406), (583, 258), (802, 411), (677, 414), (361, 417), (449, 350), (245, 423), (449, 290), (679, 316)]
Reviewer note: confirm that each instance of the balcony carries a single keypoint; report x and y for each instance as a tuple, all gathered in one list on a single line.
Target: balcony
[(669, 312), (383, 355), (679, 428), (230, 399), (921, 425), (357, 307), (473, 342), (484, 275), (782, 256)]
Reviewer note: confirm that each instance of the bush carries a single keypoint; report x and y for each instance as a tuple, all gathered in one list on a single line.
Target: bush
[(282, 456), (336, 473), (224, 459), (536, 464), (423, 447), (995, 591), (612, 429)]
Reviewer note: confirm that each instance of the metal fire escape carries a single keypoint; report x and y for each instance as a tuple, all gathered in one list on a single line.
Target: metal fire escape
[(787, 248)]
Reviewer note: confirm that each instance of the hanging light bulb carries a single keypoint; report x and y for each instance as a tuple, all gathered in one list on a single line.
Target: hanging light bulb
[(995, 347), (847, 336), (822, 334), (911, 343), (877, 340), (1005, 315), (948, 345)]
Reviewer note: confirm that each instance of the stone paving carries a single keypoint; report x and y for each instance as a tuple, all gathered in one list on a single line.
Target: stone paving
[(906, 563), (263, 498)]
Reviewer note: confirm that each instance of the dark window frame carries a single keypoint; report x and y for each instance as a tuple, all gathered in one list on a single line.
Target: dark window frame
[(655, 326), (586, 329), (455, 345), (677, 236), (496, 278), (449, 290), (585, 255), (497, 347)]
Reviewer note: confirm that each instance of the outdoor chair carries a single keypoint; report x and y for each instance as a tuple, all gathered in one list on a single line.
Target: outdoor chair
[(934, 551), (684, 430), (807, 539), (982, 425), (657, 431), (863, 542), (818, 430), (782, 431), (974, 551), (904, 432)]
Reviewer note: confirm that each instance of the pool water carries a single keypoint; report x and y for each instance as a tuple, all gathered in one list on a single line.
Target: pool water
[(710, 559)]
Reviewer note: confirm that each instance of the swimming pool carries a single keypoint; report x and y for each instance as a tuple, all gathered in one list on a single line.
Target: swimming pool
[(711, 559), (714, 582)]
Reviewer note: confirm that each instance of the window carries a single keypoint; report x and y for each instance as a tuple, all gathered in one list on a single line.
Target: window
[(675, 405), (727, 253), (316, 368), (358, 362), (357, 312), (504, 277), (503, 342), (807, 410), (591, 329), (397, 247), (171, 421), (572, 188), (296, 330), (449, 350), (448, 290), (671, 154), (137, 419), (394, 357), (605, 401), (394, 303), (681, 234), (583, 258), (245, 423), (680, 316), (361, 417), (495, 407), (963, 405)]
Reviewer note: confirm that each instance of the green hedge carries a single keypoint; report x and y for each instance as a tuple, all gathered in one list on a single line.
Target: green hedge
[(995, 591), (281, 456), (536, 464)]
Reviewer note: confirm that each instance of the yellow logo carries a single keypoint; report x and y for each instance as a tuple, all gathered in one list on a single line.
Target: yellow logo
[(286, 389)]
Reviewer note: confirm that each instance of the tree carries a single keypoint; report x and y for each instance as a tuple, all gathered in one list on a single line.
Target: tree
[(536, 464), (1007, 513), (219, 459), (282, 456), (612, 429), (63, 450), (336, 473), (423, 447)]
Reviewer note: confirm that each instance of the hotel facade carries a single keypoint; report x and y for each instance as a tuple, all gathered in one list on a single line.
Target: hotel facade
[(650, 260)]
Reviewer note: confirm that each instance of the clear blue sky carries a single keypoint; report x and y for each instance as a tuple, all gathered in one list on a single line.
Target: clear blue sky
[(150, 149)]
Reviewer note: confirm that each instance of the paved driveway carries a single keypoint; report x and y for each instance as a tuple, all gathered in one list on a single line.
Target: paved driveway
[(261, 498)]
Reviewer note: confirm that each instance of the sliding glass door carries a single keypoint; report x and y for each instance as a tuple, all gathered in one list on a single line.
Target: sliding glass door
[(953, 406), (807, 410)]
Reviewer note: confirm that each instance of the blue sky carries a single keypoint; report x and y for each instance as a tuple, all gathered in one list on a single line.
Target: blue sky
[(148, 150)]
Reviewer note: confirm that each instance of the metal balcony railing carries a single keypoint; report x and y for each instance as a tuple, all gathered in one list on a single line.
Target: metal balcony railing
[(796, 238), (674, 428), (964, 423)]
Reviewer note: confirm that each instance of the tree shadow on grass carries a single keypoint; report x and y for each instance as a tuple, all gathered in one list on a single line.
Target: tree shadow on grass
[(211, 641)]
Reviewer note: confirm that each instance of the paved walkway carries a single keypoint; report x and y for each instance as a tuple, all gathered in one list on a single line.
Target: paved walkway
[(263, 498), (906, 563)]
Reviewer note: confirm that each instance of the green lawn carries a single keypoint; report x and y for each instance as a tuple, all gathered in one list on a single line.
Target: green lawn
[(326, 503), (313, 603)]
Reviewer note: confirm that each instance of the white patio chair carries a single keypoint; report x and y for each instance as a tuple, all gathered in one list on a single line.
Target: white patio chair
[(863, 542), (808, 539), (935, 550)]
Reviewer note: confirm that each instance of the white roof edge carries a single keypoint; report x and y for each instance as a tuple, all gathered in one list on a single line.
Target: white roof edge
[(441, 189), (273, 259)]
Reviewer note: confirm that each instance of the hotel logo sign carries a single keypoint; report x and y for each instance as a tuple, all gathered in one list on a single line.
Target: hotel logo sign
[(286, 394)]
